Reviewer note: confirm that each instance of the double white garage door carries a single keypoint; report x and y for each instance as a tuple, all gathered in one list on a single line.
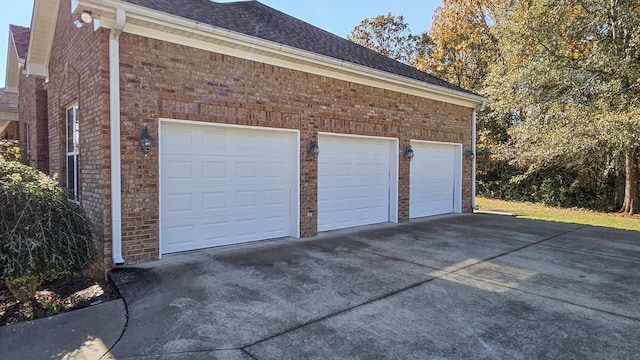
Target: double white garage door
[(223, 185)]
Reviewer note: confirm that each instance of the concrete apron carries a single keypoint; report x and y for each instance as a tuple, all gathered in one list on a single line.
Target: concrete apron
[(466, 286)]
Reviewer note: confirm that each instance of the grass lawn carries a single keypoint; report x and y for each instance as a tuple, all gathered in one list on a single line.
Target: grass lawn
[(541, 212)]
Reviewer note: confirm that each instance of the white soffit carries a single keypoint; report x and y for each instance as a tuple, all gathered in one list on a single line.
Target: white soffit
[(162, 26), (12, 75), (43, 26)]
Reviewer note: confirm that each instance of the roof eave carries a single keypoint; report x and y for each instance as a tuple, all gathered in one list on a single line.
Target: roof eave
[(12, 74), (163, 26), (43, 25)]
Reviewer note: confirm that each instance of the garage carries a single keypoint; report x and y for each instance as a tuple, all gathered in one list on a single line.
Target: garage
[(357, 181), (435, 179), (224, 185)]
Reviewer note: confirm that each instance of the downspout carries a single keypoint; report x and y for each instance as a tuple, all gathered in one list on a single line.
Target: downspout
[(473, 148), (114, 120)]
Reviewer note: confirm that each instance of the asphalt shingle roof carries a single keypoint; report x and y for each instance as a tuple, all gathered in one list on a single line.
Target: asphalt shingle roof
[(256, 19), (21, 38)]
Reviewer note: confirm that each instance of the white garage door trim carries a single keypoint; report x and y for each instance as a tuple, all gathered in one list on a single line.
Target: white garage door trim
[(393, 172), (457, 185), (295, 169)]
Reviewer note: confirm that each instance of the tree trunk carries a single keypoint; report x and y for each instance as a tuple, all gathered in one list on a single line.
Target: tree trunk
[(619, 185), (631, 197)]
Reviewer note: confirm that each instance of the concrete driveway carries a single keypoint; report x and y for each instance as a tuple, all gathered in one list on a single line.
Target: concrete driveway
[(456, 287)]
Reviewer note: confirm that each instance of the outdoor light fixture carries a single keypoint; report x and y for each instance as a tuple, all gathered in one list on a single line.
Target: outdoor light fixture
[(312, 148), (85, 18), (145, 140), (469, 154), (408, 152)]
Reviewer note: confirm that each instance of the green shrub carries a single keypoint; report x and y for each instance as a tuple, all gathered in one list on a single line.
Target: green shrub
[(554, 186), (43, 236), (10, 150)]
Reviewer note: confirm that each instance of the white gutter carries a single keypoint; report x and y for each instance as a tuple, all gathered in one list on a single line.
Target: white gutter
[(114, 119), (473, 148)]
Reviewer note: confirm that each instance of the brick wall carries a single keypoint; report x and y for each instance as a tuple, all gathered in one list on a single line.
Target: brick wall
[(34, 124), (160, 79), (78, 72)]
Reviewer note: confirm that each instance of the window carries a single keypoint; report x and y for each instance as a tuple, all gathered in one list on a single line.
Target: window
[(73, 151)]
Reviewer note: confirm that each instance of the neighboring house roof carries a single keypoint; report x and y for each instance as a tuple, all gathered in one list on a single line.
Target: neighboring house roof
[(21, 39), (8, 109), (255, 19)]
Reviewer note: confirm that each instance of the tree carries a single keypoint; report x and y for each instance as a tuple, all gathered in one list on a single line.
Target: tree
[(388, 35), (463, 44), (569, 75), (43, 236)]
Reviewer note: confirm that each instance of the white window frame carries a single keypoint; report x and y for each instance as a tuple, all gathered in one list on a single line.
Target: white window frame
[(73, 191)]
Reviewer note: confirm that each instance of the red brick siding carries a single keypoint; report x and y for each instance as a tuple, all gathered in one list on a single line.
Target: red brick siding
[(32, 106), (160, 79), (78, 73)]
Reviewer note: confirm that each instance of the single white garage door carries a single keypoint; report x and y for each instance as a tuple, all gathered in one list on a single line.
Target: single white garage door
[(435, 179), (354, 181), (224, 185)]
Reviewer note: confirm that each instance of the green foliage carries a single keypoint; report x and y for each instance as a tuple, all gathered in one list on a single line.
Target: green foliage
[(554, 186), (463, 41), (42, 235), (563, 75), (388, 35), (569, 75), (10, 151)]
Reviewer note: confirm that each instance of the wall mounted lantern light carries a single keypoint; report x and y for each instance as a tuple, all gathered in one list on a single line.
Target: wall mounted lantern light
[(408, 152), (312, 148), (145, 140), (469, 154), (84, 19)]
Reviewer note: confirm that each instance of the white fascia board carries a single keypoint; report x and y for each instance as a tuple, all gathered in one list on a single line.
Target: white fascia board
[(12, 72), (37, 70), (43, 25), (162, 26)]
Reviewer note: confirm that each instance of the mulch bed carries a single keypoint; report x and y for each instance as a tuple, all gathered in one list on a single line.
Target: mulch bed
[(56, 297)]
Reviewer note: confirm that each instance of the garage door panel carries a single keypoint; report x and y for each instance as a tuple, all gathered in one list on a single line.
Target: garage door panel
[(214, 232), (353, 181), (224, 185), (180, 204), (433, 179), (215, 170), (184, 236), (215, 201), (180, 138)]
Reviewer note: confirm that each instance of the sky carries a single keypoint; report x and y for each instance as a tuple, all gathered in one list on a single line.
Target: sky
[(336, 16)]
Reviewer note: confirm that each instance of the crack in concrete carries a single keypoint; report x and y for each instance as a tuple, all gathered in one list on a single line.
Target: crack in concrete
[(126, 320), (245, 349), (551, 298), (585, 252), (248, 353), (420, 283)]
